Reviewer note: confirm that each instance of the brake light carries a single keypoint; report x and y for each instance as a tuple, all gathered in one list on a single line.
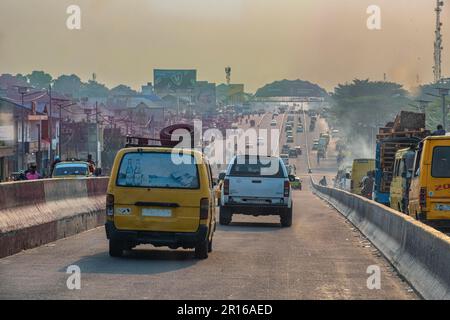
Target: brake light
[(109, 205), (286, 188), (204, 208), (226, 187), (423, 197)]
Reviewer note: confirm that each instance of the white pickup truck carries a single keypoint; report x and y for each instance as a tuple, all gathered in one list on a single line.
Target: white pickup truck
[(256, 185)]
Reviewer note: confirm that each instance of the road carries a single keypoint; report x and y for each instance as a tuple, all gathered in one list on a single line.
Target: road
[(321, 256)]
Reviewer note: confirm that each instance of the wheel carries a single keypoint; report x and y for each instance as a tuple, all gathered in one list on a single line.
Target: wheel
[(286, 218), (201, 250), (115, 248), (225, 216)]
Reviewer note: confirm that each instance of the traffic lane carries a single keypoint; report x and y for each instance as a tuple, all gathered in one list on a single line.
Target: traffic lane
[(320, 257)]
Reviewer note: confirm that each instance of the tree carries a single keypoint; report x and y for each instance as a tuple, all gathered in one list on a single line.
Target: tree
[(291, 88), (39, 79), (123, 90), (94, 89), (68, 85), (362, 106)]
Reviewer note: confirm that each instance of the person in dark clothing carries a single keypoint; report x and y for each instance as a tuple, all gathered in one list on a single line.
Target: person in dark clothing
[(57, 160), (323, 182), (440, 131), (367, 185)]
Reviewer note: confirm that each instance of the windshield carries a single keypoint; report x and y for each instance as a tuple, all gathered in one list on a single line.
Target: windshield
[(260, 167), (158, 170), (440, 167), (71, 170)]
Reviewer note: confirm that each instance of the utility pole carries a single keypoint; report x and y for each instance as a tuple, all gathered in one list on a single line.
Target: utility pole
[(97, 139), (50, 129), (438, 43), (22, 92), (444, 92)]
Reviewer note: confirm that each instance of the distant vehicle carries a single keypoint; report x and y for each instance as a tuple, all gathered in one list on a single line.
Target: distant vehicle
[(290, 139), (299, 150), (288, 128), (296, 184), (252, 123), (293, 153), (429, 198), (71, 169), (273, 123), (335, 131), (401, 179), (315, 146), (285, 149), (300, 129), (359, 171), (285, 158), (255, 185)]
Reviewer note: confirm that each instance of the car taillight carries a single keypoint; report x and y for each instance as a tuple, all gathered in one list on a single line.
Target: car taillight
[(423, 197), (226, 187), (110, 205), (286, 188), (204, 208)]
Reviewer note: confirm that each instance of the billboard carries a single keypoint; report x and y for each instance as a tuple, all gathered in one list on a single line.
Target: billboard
[(173, 80)]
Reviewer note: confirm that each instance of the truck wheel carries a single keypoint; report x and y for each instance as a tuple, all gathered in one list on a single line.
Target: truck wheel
[(225, 216), (115, 248), (201, 250), (286, 218)]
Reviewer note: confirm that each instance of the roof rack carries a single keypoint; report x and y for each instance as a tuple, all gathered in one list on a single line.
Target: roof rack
[(165, 138)]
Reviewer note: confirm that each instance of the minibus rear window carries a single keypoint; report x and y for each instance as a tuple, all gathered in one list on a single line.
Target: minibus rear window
[(440, 167), (158, 170)]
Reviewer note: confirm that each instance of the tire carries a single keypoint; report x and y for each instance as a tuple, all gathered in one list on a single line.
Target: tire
[(225, 216), (286, 218), (202, 249), (115, 248)]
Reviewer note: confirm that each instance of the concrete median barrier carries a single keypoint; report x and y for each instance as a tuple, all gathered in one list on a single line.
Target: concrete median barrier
[(420, 253), (33, 213)]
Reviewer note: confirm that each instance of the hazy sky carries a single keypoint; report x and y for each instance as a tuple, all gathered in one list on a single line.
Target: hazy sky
[(323, 41)]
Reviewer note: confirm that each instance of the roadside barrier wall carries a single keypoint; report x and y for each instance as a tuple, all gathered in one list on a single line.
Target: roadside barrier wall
[(33, 213), (420, 253)]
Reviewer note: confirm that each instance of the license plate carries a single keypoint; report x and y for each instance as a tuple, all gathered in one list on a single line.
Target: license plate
[(442, 207), (156, 213)]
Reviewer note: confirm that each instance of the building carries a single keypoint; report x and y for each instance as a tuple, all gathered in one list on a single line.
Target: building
[(17, 121)]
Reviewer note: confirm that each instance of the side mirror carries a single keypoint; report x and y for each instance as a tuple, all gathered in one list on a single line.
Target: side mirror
[(291, 178), (221, 176)]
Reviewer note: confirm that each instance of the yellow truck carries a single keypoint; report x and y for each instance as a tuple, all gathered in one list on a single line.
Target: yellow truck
[(429, 196), (401, 179), (360, 168)]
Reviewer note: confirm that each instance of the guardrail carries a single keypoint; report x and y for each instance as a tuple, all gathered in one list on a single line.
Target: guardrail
[(33, 213), (420, 253)]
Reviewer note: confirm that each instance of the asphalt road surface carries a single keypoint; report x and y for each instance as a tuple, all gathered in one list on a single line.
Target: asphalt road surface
[(322, 256)]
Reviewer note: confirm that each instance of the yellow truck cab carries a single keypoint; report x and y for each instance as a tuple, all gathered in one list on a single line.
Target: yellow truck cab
[(429, 196), (161, 196), (401, 179), (360, 168)]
